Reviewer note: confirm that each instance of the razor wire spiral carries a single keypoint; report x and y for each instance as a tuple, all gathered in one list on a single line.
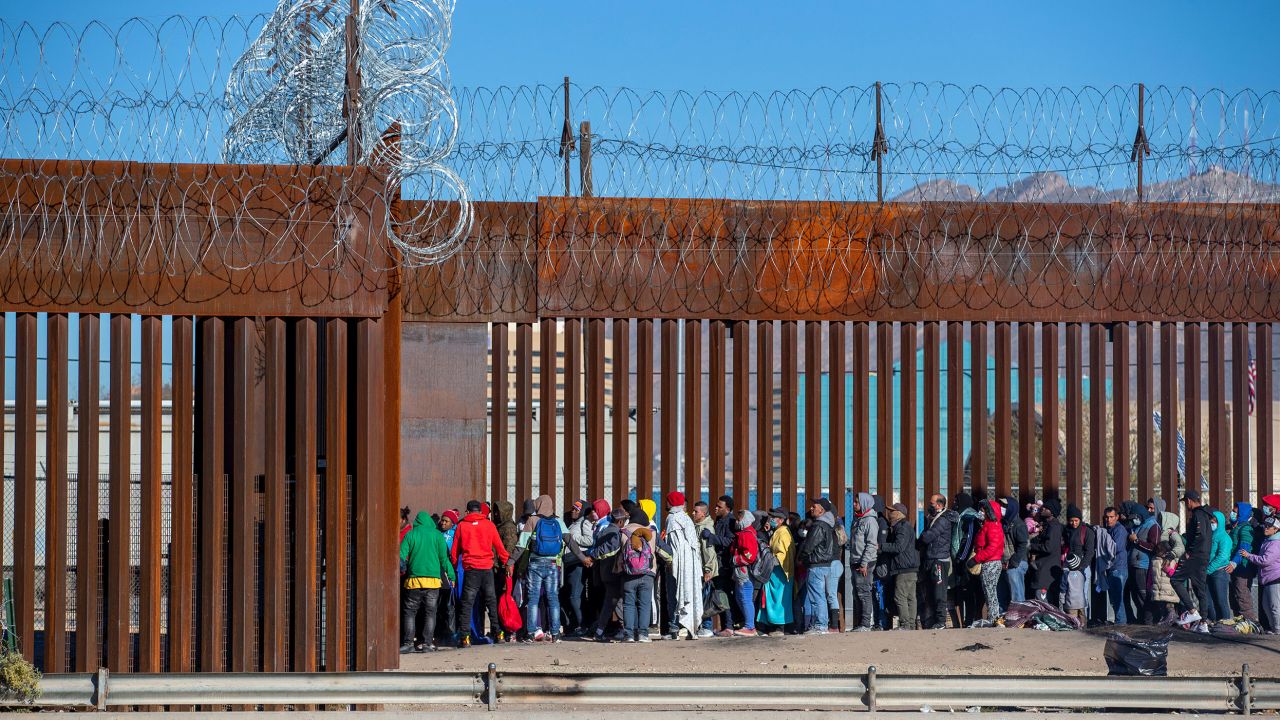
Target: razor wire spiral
[(269, 89)]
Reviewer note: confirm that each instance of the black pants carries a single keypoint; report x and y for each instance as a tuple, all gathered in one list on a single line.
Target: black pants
[(724, 583), (611, 596), (411, 626), (933, 584), (1193, 572), (478, 583), (571, 594), (1137, 605)]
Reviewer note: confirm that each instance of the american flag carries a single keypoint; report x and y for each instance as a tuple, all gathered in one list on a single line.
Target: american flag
[(1182, 444), (1253, 381)]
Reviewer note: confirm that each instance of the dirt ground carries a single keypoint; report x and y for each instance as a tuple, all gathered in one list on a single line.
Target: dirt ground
[(994, 651)]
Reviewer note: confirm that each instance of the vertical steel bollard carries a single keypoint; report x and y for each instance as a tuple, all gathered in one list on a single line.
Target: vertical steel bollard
[(1246, 702), (871, 688)]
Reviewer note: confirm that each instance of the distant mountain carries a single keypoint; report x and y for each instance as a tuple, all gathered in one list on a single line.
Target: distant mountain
[(1213, 185)]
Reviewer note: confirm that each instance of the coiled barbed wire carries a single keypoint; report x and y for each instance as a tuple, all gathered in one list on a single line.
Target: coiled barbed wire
[(286, 98), (187, 90)]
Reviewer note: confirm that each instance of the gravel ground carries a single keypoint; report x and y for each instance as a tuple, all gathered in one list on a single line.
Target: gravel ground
[(994, 651)]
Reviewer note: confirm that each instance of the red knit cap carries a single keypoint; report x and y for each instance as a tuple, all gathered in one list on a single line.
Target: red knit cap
[(601, 507), (675, 498), (451, 514)]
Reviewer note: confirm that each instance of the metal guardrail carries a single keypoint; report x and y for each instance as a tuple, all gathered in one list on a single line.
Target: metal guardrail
[(844, 691)]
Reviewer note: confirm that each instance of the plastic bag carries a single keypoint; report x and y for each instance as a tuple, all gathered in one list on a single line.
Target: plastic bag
[(1133, 656), (509, 611)]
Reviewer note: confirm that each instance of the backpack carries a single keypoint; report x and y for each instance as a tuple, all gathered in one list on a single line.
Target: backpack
[(1007, 555), (548, 541), (636, 562), (842, 535), (760, 570)]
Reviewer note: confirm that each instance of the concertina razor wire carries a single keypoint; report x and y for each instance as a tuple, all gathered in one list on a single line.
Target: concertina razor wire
[(269, 89)]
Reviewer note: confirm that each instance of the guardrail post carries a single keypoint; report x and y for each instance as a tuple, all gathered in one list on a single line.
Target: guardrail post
[(491, 688), (100, 692), (1246, 702), (871, 688)]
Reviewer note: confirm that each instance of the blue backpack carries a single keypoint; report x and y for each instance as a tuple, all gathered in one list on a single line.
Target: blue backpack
[(548, 541)]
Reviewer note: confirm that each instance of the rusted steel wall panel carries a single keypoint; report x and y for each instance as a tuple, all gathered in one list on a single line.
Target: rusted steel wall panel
[(980, 413), (118, 635), (1219, 439), (764, 410), (149, 576), (1240, 410), (241, 427), (1266, 409), (376, 560), (547, 401), (1074, 414), (669, 386), (1099, 490), (524, 412), (621, 410), (884, 412), (644, 412), (907, 478), (716, 377), (812, 410), (838, 406), (88, 600), (304, 630), (24, 489), (932, 409), (1027, 475), (1004, 410), (211, 460), (335, 491), (1193, 354), (1050, 449), (1121, 451), (572, 486), (955, 408), (182, 508), (1145, 369), (741, 409), (789, 427), (1170, 417), (595, 411), (55, 526), (498, 419), (185, 250), (275, 614), (861, 407), (692, 404)]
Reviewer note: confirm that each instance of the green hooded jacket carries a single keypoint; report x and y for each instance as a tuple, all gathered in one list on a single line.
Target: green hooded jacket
[(423, 552), (1220, 555)]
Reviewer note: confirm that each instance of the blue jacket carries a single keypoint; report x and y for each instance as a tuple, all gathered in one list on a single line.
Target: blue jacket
[(1242, 535)]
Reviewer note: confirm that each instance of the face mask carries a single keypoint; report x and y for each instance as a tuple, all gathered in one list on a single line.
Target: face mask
[(1233, 516), (1213, 526)]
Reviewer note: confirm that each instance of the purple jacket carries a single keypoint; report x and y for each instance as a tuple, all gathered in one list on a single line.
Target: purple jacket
[(1268, 560)]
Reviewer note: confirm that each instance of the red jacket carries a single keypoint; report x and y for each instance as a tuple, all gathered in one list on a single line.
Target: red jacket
[(989, 545), (745, 548), (476, 539)]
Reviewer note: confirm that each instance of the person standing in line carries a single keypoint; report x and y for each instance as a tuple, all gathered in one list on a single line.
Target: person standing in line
[(639, 566), (777, 607), (1014, 559), (424, 559), (988, 551), (582, 520), (863, 551), (1241, 570), (1080, 545), (1117, 574), (477, 544), (935, 546), (1267, 560), (1046, 557), (544, 539), (710, 562), (608, 543), (1144, 536), (685, 580), (1217, 574), (746, 549), (902, 561), (722, 539), (817, 552), (1193, 568)]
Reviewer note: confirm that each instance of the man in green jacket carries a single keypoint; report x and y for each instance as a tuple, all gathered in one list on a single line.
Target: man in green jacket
[(424, 560)]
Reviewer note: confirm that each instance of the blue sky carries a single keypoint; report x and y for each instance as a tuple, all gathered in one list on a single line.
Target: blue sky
[(754, 45)]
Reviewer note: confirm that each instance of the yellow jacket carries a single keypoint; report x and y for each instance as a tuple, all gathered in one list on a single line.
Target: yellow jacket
[(780, 544)]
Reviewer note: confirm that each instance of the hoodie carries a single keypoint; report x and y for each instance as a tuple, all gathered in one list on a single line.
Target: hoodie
[(423, 552), (504, 520), (1242, 538), (476, 541), (1146, 535), (1169, 524), (900, 552), (988, 545), (1016, 532), (710, 558), (1220, 550), (864, 544)]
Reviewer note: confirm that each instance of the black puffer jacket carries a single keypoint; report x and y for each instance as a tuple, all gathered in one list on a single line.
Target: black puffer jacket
[(899, 552), (820, 546), (935, 540)]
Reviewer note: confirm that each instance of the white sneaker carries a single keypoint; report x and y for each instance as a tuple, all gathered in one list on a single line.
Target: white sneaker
[(1188, 617), (539, 636), (644, 639), (706, 633)]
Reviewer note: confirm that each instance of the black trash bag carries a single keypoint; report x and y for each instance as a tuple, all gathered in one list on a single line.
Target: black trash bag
[(1133, 656)]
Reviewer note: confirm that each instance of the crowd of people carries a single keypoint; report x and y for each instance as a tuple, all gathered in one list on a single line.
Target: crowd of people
[(612, 574)]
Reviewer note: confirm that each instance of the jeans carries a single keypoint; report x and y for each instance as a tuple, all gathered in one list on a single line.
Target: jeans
[(1219, 606), (866, 598), (937, 574), (743, 590), (1014, 588), (1116, 581), (478, 584), (816, 615), (410, 602), (637, 608), (1269, 599), (573, 575), (543, 579), (833, 583)]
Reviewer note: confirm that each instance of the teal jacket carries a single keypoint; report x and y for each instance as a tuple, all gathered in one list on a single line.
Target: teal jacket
[(1242, 536), (1220, 554), (423, 552)]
